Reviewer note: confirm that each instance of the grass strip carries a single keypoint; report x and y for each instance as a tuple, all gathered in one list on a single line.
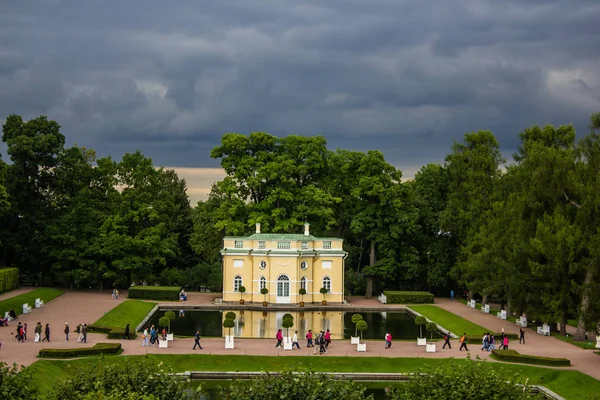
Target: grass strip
[(16, 303), (130, 312), (568, 383), (450, 321)]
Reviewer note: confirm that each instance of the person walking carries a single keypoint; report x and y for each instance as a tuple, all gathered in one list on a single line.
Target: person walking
[(84, 329), (327, 338), (66, 331), (117, 294), (388, 340), (38, 333), (452, 294), (501, 346), (114, 294), (447, 342), (25, 331), (463, 342), (309, 339), (197, 341), (47, 334), (145, 337), (322, 343), (316, 345), (79, 331), (279, 337), (505, 342), (295, 341), (126, 334), (521, 335)]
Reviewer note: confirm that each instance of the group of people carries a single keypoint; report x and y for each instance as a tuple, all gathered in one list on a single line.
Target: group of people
[(12, 315), (21, 334), (151, 336), (115, 294)]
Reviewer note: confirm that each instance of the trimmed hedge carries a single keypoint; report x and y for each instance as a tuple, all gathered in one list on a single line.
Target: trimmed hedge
[(9, 279), (155, 292), (514, 356), (394, 297), (99, 348), (118, 333), (101, 329)]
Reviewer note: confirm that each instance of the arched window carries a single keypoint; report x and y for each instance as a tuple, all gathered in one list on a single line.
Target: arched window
[(327, 283), (283, 286), (237, 282), (263, 282), (303, 283)]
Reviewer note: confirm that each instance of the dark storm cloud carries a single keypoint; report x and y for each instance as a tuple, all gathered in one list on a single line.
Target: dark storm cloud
[(406, 77)]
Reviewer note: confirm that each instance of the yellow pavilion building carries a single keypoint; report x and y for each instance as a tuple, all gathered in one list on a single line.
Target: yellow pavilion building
[(283, 263)]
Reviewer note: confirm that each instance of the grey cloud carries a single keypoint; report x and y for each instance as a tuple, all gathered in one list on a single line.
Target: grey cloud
[(402, 76)]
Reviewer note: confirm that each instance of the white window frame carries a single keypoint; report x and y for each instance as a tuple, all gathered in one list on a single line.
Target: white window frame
[(262, 283), (262, 244), (238, 263), (303, 265), (303, 283), (327, 244), (327, 264), (283, 245), (238, 281), (326, 283), (262, 264), (304, 245), (239, 244)]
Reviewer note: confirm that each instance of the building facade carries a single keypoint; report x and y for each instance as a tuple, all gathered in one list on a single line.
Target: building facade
[(283, 263)]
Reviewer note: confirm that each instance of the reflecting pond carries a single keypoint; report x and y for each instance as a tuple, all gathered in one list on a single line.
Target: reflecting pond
[(264, 324)]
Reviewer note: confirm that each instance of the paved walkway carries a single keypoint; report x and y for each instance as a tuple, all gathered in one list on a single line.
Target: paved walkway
[(86, 307), (582, 360), (16, 292)]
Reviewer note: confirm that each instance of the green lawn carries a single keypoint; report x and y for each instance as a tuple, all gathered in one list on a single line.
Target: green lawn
[(128, 312), (567, 383), (589, 345), (45, 294), (493, 310), (452, 322)]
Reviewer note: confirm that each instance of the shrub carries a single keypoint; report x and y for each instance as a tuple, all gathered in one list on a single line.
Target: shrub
[(420, 321), (307, 386), (99, 348), (16, 383), (230, 315), (117, 333), (431, 327), (473, 380), (514, 356), (9, 279), (127, 379), (155, 292), (355, 319), (228, 323), (394, 297), (361, 326)]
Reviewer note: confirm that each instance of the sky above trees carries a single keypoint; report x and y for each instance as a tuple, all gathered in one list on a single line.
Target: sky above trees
[(404, 77)]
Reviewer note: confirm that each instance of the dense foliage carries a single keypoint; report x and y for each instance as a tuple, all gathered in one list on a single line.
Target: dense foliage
[(523, 233), (294, 386), (9, 279), (475, 381), (16, 383), (129, 379)]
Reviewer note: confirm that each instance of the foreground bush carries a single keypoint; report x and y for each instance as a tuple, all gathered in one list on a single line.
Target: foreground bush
[(16, 384), (473, 381), (97, 349), (9, 279), (127, 380), (394, 297), (294, 386), (514, 356), (155, 292)]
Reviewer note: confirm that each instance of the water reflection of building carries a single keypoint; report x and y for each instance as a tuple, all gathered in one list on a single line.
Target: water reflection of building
[(262, 324)]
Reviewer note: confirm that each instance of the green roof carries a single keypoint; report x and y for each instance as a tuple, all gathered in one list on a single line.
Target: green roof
[(280, 236)]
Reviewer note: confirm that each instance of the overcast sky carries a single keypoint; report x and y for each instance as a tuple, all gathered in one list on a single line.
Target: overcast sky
[(406, 77)]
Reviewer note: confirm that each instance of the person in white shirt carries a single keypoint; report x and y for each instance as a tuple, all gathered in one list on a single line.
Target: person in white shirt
[(295, 341)]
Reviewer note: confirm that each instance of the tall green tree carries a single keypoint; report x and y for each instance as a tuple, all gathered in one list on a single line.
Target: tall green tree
[(34, 147), (474, 170)]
